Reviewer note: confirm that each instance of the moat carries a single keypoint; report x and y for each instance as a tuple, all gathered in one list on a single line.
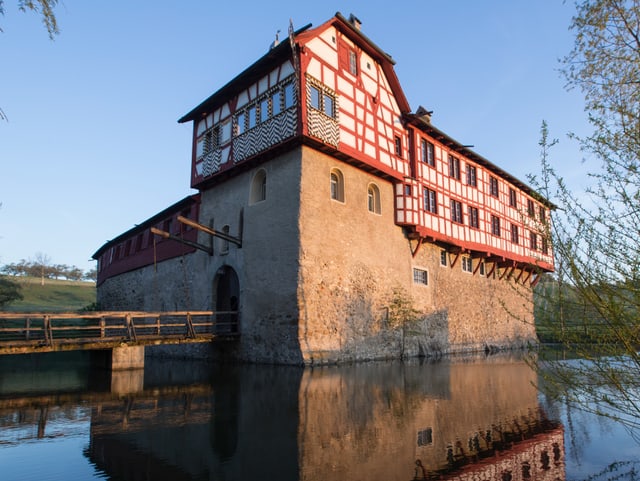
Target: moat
[(460, 418)]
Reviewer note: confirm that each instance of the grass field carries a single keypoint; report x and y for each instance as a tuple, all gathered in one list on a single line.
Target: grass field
[(54, 296)]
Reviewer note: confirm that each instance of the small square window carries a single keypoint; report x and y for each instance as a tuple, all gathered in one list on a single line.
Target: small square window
[(420, 276), (425, 437)]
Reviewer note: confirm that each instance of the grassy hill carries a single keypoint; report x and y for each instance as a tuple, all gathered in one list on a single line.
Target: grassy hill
[(55, 295)]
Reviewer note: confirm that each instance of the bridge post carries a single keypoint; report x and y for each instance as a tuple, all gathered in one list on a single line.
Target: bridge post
[(127, 357)]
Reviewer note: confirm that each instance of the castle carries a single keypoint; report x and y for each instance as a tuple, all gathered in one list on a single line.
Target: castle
[(340, 225)]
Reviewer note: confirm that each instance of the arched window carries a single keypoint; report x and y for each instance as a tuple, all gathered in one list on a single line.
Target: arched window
[(337, 185), (373, 199), (258, 187)]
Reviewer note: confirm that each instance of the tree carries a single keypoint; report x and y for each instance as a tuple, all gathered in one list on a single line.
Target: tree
[(42, 263), (596, 234), (9, 291), (44, 8)]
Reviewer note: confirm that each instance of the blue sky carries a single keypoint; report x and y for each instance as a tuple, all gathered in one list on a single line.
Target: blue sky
[(92, 146)]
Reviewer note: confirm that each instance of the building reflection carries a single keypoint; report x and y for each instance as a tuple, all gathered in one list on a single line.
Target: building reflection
[(475, 419)]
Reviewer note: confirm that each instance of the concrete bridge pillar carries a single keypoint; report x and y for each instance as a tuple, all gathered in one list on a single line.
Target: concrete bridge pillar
[(127, 357)]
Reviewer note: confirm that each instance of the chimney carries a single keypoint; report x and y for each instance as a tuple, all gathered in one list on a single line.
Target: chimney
[(424, 114), (355, 21)]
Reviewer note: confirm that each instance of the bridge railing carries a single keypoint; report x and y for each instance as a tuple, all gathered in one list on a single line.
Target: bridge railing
[(46, 329)]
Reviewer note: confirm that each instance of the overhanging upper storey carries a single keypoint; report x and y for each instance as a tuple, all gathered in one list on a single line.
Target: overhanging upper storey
[(460, 199), (251, 114), (328, 86)]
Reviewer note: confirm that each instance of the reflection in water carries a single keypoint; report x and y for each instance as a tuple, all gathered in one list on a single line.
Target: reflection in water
[(465, 418)]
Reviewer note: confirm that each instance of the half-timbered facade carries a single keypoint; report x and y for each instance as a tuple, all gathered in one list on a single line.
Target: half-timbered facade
[(324, 205)]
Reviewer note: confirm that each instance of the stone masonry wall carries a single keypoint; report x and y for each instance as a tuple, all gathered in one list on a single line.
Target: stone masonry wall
[(356, 280), (322, 281)]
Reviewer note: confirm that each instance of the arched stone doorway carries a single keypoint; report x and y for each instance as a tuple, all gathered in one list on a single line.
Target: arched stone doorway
[(226, 292)]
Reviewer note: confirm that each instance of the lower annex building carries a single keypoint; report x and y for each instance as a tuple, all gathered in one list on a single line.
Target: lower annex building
[(347, 227)]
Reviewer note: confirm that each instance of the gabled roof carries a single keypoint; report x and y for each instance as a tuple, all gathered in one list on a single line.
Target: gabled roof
[(150, 222), (282, 51), (418, 121), (250, 75), (355, 34)]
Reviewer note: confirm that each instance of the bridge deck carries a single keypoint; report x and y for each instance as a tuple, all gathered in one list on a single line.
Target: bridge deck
[(63, 331)]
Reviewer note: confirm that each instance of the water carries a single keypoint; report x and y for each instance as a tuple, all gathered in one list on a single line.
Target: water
[(464, 419)]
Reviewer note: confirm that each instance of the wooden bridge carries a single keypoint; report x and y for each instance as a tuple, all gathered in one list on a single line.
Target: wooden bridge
[(119, 331)]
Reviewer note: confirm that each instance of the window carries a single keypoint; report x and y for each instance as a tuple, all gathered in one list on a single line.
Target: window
[(289, 95), (533, 241), (454, 167), (530, 208), (275, 103), (425, 437), (430, 201), (427, 152), (264, 110), (493, 186), (473, 217), (258, 187), (252, 113), (456, 211), (512, 198), (398, 144), (443, 258), (467, 264), (328, 105), (471, 176), (481, 268), (225, 131), (314, 97), (495, 225), (545, 245), (542, 213), (241, 123), (373, 199), (322, 100), (337, 185), (353, 63), (210, 140), (514, 233), (420, 276)]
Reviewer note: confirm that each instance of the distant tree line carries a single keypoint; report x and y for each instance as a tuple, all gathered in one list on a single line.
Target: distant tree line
[(46, 270)]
